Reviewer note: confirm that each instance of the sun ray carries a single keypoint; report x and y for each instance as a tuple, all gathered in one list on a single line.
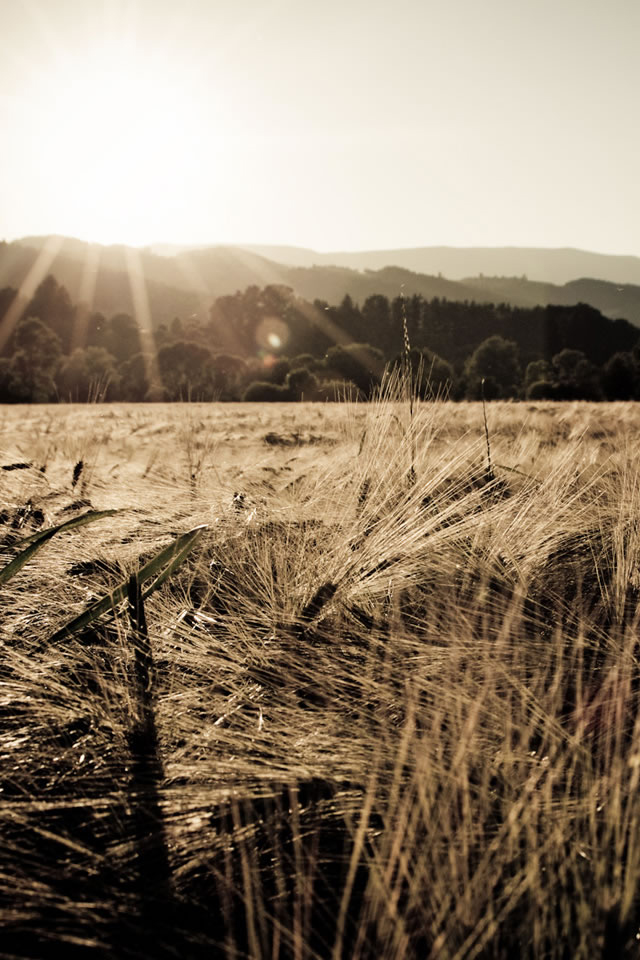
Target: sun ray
[(28, 287), (142, 315), (255, 265), (230, 340), (321, 319), (196, 281), (86, 296)]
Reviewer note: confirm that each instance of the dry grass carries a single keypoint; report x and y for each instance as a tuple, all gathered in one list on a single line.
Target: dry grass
[(394, 719)]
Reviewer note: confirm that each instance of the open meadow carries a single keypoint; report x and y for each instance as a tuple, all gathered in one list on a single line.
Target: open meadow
[(383, 705)]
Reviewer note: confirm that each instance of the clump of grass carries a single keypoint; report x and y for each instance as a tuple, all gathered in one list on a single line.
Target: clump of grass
[(199, 445)]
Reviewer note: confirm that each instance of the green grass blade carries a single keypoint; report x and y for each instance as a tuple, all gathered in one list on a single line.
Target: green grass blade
[(178, 551), (80, 521), (92, 613), (39, 539), (164, 564)]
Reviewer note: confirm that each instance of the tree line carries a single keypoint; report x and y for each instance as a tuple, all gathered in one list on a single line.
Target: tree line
[(265, 344)]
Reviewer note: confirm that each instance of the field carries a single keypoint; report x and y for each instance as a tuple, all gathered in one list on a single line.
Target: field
[(383, 706)]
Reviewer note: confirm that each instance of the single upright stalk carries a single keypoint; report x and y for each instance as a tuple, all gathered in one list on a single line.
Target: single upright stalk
[(490, 475), (408, 386)]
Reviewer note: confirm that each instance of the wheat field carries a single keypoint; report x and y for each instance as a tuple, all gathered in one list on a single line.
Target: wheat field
[(382, 705)]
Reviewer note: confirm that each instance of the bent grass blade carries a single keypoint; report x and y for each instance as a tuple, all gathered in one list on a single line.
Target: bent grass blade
[(38, 540), (162, 566)]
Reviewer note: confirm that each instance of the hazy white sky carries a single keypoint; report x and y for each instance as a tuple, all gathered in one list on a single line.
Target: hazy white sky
[(346, 124)]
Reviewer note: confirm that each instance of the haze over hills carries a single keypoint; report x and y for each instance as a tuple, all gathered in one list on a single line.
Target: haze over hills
[(186, 282), (556, 266)]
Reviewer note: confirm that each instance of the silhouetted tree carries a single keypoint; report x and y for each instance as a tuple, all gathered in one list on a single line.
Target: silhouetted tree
[(134, 384), (277, 370), (301, 384), (575, 377), (538, 371), (123, 337), (360, 363), (185, 371), (28, 382), (305, 360), (38, 342), (262, 392), (176, 331), (7, 296), (376, 316), (582, 327), (431, 376), (98, 331), (52, 304), (621, 377), (349, 319), (496, 362), (228, 373), (541, 390), (88, 375)]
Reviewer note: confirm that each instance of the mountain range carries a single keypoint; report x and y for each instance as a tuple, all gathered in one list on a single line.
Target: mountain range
[(557, 266), (185, 281)]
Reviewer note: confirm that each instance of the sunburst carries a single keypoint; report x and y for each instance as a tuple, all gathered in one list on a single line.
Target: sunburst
[(34, 277)]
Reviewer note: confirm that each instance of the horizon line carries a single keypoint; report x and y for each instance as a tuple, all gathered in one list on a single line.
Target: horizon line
[(148, 246)]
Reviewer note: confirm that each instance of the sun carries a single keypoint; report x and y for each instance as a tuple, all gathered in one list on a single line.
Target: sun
[(124, 135)]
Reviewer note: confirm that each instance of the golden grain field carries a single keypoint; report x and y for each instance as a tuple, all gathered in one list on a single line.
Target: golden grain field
[(388, 705)]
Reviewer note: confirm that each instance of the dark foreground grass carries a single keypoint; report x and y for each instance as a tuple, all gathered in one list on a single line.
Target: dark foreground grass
[(375, 713)]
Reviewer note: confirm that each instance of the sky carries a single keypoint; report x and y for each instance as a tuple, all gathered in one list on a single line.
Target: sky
[(341, 125)]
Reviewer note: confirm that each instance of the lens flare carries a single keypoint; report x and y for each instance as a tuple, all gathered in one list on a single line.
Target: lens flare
[(272, 333)]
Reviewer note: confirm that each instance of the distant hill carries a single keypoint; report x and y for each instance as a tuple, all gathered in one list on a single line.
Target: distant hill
[(557, 266), (180, 285), (187, 282)]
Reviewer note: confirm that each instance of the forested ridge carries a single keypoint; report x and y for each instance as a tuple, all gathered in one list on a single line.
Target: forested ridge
[(268, 343), (184, 282)]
